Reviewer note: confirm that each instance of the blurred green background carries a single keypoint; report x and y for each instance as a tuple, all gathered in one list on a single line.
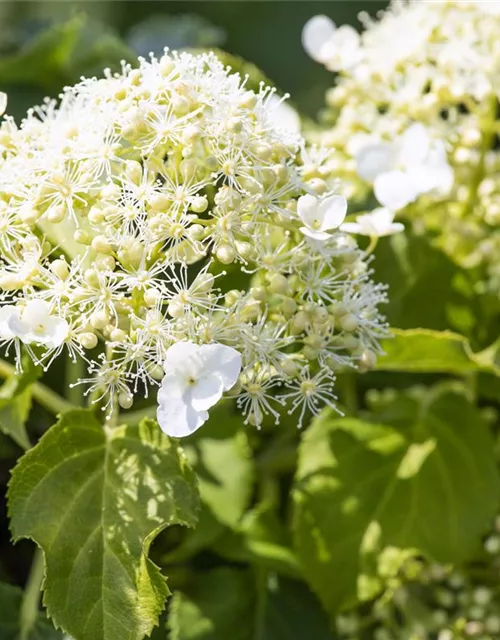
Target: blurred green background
[(266, 33)]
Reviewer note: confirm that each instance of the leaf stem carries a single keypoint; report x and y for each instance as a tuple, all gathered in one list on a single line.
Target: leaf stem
[(31, 599), (49, 399), (74, 371), (261, 603)]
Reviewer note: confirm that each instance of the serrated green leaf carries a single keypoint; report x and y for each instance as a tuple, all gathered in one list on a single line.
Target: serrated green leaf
[(428, 482), (94, 499), (227, 603), (428, 351), (10, 611)]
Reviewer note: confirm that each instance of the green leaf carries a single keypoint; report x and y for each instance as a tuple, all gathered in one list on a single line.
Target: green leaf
[(429, 482), (10, 611), (260, 539), (427, 351), (94, 499), (226, 603), (221, 456), (424, 286), (15, 405), (62, 53)]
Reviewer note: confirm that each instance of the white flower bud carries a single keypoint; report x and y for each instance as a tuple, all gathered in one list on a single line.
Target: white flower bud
[(104, 262), (117, 335), (100, 244), (151, 297), (60, 269), (225, 254), (56, 214), (288, 307), (99, 319), (82, 237), (232, 297), (278, 283), (199, 204), (96, 215), (349, 322), (87, 340), (176, 308)]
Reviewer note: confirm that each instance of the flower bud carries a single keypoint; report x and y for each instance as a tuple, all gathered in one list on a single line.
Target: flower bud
[(199, 204), (60, 269), (225, 254), (278, 283), (100, 244), (99, 319), (349, 322), (125, 400), (87, 340)]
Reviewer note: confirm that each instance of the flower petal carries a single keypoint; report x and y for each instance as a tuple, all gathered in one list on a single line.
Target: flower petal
[(315, 235), (307, 209), (374, 159), (222, 361), (414, 146), (316, 32), (394, 189), (178, 419), (182, 357), (332, 212), (206, 393)]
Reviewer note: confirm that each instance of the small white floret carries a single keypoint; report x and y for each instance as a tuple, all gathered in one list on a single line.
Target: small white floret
[(319, 217), (405, 168), (195, 378), (378, 223), (34, 324)]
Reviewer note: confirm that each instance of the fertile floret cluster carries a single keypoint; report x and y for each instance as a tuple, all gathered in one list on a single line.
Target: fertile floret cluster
[(129, 211), (414, 118)]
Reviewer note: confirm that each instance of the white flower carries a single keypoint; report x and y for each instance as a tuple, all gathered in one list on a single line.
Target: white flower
[(34, 324), (3, 102), (335, 48), (5, 314), (402, 170), (195, 378), (321, 216), (376, 224)]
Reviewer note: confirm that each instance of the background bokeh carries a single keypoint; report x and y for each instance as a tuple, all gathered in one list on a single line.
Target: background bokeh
[(266, 33)]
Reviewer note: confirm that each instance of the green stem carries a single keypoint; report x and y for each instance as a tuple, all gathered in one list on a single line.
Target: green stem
[(372, 246), (75, 370), (49, 399), (31, 599)]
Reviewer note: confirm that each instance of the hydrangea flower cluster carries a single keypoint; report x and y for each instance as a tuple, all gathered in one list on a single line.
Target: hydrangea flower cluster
[(414, 118), (125, 212)]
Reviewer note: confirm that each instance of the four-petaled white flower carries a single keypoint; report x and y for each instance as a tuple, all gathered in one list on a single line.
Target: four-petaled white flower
[(34, 324), (405, 168), (195, 378), (336, 48), (321, 216), (376, 224)]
